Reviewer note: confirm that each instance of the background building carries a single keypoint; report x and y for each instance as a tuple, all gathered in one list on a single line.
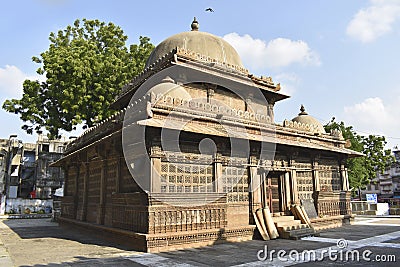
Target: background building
[(25, 171), (386, 185), (48, 179)]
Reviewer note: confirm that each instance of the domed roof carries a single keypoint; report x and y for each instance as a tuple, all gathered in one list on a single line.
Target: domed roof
[(199, 42), (303, 117), (168, 87)]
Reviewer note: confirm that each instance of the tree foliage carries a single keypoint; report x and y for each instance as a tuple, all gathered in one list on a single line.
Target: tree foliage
[(363, 169), (85, 67)]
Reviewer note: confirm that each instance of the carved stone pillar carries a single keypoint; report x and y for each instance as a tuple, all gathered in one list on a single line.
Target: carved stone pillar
[(66, 180), (255, 185), (155, 170), (315, 173), (218, 183), (345, 178), (155, 175), (103, 190), (117, 147), (288, 198), (76, 192), (295, 193), (118, 174), (85, 191)]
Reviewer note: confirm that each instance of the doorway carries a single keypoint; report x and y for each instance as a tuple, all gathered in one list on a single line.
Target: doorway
[(272, 191)]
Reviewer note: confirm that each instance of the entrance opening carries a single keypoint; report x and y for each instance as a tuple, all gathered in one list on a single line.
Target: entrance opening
[(272, 192)]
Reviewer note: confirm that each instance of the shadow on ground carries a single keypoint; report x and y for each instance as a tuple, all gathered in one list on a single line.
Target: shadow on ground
[(54, 230), (90, 261)]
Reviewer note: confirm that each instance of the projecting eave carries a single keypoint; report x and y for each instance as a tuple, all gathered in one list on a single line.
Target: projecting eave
[(269, 135)]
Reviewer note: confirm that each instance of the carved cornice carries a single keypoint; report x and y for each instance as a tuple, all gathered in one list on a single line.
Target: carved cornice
[(187, 54)]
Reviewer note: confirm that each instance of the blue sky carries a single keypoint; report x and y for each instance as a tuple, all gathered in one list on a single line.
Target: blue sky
[(338, 58)]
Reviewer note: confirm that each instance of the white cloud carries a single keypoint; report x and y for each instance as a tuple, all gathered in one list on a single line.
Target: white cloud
[(288, 81), (374, 21), (280, 52), (11, 81), (374, 116)]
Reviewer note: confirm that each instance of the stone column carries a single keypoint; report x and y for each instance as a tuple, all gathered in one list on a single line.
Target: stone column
[(85, 191), (66, 180), (118, 175), (344, 178), (103, 191), (255, 185), (218, 183), (155, 169), (288, 198), (315, 173), (76, 192), (155, 175), (283, 197), (295, 193)]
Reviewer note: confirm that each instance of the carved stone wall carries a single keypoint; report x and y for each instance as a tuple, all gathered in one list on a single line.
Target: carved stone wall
[(170, 219), (329, 175), (333, 203), (129, 212), (68, 207), (93, 191)]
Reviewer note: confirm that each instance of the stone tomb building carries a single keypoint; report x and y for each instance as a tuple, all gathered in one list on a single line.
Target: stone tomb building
[(230, 159)]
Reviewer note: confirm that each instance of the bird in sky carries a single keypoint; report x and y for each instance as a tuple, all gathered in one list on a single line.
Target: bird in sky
[(210, 9)]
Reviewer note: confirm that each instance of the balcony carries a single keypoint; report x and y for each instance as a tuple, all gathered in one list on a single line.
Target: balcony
[(382, 183)]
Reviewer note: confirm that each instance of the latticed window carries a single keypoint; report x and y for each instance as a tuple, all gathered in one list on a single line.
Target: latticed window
[(305, 185), (330, 179), (235, 183), (186, 177), (329, 175)]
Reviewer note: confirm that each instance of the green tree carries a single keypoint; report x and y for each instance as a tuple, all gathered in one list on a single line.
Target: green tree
[(85, 67), (363, 169)]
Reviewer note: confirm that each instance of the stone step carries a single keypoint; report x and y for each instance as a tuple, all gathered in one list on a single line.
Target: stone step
[(283, 219), (296, 232), (287, 223), (289, 228)]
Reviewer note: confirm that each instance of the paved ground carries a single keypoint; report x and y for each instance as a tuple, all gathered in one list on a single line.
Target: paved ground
[(40, 242)]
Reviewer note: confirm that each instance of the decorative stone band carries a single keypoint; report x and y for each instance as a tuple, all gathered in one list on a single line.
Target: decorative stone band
[(214, 110), (185, 53), (310, 128), (266, 81), (301, 126)]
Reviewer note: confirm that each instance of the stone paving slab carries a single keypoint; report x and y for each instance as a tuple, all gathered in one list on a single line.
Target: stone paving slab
[(396, 241), (358, 231), (40, 242)]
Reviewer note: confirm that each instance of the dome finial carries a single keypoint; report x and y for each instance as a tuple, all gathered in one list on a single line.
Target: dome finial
[(303, 110), (195, 25)]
